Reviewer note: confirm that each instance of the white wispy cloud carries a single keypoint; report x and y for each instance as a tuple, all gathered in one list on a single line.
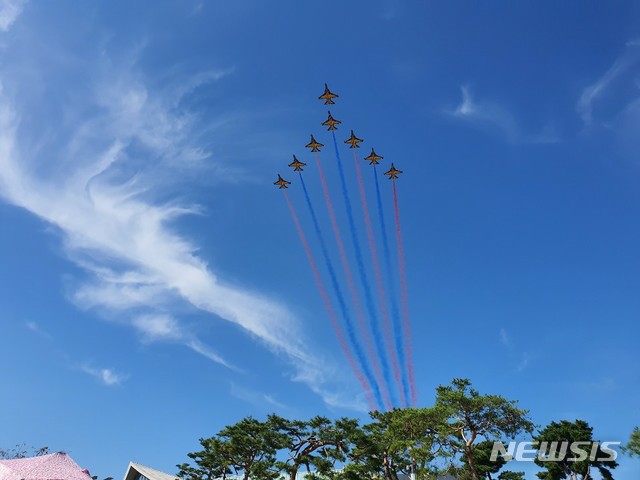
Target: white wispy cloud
[(599, 90), (158, 327), (37, 329), (258, 399), (10, 10), (593, 91), (493, 117), (199, 347), (524, 362), (504, 338), (94, 184), (520, 358), (106, 376), (611, 104)]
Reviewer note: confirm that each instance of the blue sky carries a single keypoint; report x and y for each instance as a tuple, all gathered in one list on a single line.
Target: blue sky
[(153, 286)]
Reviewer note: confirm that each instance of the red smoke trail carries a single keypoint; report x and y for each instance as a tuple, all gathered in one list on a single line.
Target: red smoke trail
[(372, 311), (404, 296), (362, 322), (329, 308), (379, 282)]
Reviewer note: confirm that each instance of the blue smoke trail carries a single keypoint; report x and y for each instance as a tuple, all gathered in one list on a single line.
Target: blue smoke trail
[(395, 310), (375, 321), (343, 306)]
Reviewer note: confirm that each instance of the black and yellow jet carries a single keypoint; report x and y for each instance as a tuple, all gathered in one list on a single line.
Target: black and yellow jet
[(331, 123), (297, 164), (281, 182), (393, 172), (354, 141), (313, 145), (374, 158), (327, 96)]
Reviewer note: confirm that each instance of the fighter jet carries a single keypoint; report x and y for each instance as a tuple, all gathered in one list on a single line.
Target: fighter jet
[(327, 96), (313, 145), (331, 123), (281, 182), (393, 172), (373, 158), (297, 164), (353, 140)]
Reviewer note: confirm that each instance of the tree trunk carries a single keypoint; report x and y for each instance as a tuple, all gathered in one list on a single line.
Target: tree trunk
[(294, 471), (387, 469), (472, 467)]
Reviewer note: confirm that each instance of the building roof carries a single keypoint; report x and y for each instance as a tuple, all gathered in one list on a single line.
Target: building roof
[(56, 466), (151, 473)]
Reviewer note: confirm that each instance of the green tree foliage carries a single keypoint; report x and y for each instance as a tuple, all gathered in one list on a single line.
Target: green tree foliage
[(569, 464), (633, 447), (487, 468), (252, 446), (509, 475), (468, 418), (397, 441), (247, 448), (456, 435), (212, 462), (317, 444)]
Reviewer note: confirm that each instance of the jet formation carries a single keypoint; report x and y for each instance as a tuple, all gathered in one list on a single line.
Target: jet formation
[(313, 145), (393, 172), (353, 140), (332, 124), (372, 351), (374, 158), (297, 165), (327, 96), (281, 182)]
